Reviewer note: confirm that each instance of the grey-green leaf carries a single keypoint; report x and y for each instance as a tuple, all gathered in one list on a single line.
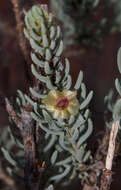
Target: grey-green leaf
[(84, 137), (37, 75), (62, 175), (86, 101), (119, 59), (50, 187), (118, 86), (54, 157), (8, 157), (47, 68), (36, 60), (79, 81), (48, 55), (60, 49)]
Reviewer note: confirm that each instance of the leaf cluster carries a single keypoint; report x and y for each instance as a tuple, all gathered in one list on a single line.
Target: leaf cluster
[(86, 22)]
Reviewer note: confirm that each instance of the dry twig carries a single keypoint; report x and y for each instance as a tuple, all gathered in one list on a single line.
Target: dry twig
[(20, 25), (107, 173), (32, 168), (21, 38)]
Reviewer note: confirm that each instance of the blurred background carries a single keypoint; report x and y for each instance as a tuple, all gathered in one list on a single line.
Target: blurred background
[(92, 36)]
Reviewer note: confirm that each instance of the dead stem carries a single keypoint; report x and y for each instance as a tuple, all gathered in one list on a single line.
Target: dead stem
[(20, 26), (32, 168), (106, 177), (21, 38)]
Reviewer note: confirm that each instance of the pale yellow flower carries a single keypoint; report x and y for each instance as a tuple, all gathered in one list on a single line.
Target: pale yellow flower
[(62, 104)]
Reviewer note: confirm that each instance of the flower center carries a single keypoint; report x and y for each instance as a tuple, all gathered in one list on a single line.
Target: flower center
[(62, 103)]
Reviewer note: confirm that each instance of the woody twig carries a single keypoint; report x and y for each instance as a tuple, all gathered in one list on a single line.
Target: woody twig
[(32, 169), (106, 177), (21, 39), (19, 27)]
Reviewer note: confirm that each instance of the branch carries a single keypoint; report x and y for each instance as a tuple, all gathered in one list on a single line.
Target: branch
[(107, 173), (20, 25), (13, 114), (21, 38), (32, 168)]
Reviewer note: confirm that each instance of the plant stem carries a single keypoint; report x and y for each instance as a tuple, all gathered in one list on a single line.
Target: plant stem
[(21, 39), (106, 177), (32, 168), (19, 27)]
